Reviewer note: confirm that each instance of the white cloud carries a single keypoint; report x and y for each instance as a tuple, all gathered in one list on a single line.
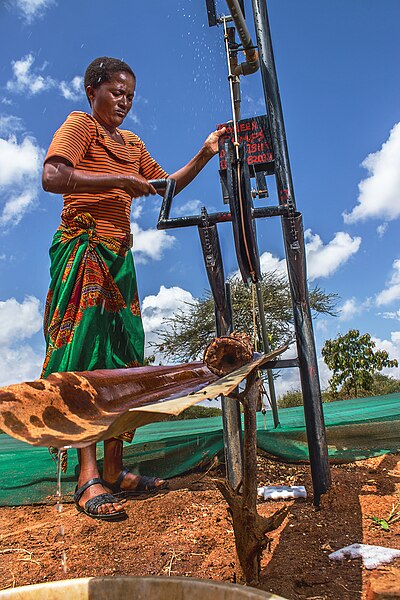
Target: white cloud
[(254, 104), (379, 195), (270, 263), (16, 206), (10, 124), (30, 9), (140, 99), (133, 116), (392, 291), (391, 315), (381, 229), (164, 304), (348, 309), (20, 167), (321, 325), (352, 307), (325, 260), (192, 207), (26, 81), (19, 321), (288, 380), (324, 373), (73, 90), (322, 260), (137, 210), (19, 364), (150, 243), (18, 161), (392, 346), (29, 80)]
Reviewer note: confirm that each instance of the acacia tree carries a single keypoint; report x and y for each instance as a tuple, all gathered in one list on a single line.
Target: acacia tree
[(185, 335), (354, 362)]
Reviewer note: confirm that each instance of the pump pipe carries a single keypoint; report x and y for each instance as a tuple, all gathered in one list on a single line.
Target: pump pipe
[(252, 63)]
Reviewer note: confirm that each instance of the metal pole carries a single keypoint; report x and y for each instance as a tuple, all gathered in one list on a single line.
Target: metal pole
[(231, 418), (232, 422), (233, 60), (271, 385), (294, 244), (273, 102), (314, 416), (251, 65)]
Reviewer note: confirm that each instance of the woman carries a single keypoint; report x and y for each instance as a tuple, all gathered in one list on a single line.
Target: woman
[(92, 317)]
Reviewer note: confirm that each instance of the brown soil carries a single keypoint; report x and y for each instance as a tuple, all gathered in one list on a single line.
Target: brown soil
[(187, 532)]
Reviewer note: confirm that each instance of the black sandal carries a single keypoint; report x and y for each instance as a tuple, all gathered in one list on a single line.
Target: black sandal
[(145, 486), (92, 505)]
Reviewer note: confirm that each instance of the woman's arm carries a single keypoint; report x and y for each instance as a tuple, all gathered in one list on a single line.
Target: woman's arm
[(187, 173), (60, 177)]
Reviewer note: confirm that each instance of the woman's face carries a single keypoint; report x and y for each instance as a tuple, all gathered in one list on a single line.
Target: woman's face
[(112, 100)]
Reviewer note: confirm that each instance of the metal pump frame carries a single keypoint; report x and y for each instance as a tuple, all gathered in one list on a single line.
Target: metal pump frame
[(293, 235)]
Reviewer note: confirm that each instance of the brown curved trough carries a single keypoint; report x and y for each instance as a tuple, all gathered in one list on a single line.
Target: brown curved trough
[(77, 409)]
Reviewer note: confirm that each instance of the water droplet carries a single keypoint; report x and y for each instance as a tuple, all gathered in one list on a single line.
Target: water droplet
[(59, 507)]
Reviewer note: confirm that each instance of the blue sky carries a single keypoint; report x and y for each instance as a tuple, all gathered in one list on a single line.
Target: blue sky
[(339, 79)]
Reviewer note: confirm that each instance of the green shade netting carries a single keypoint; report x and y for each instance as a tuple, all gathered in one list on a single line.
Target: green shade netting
[(356, 429)]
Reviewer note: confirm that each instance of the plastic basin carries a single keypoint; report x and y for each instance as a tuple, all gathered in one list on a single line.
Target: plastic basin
[(136, 588)]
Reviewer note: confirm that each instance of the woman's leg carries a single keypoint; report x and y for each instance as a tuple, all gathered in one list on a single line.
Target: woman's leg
[(89, 470), (113, 465)]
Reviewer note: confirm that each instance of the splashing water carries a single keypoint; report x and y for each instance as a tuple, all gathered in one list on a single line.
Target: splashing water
[(59, 509), (59, 506)]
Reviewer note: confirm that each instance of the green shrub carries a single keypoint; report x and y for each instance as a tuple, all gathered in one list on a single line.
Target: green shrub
[(382, 385), (291, 398), (385, 384), (198, 412)]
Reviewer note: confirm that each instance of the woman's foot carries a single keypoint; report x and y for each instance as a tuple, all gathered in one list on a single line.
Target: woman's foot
[(119, 479), (95, 491), (127, 484), (90, 496)]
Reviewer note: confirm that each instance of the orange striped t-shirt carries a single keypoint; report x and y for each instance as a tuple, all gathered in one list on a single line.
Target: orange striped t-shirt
[(83, 142)]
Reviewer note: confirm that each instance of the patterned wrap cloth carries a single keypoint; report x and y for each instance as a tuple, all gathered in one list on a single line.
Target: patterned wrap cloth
[(92, 316)]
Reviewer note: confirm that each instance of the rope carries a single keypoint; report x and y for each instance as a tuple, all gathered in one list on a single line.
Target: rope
[(253, 305), (246, 247)]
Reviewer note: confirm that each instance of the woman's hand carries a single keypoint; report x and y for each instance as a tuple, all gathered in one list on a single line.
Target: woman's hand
[(211, 143), (60, 177), (136, 186)]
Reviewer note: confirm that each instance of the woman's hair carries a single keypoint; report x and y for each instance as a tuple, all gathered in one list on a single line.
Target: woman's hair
[(102, 69)]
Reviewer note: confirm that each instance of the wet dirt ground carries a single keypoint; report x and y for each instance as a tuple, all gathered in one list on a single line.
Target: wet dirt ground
[(186, 531)]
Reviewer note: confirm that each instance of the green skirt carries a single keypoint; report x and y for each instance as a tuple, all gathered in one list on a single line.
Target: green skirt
[(92, 317)]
